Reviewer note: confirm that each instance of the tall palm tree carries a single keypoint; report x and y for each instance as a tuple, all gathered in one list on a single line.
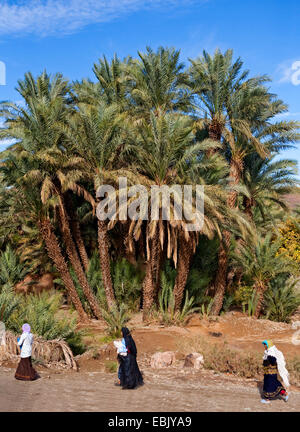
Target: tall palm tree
[(262, 262), (93, 134), (29, 206), (164, 153), (227, 99), (111, 80), (41, 145), (157, 83), (266, 181)]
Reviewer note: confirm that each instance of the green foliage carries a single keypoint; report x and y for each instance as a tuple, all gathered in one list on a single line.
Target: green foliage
[(127, 280), (281, 300), (116, 318), (261, 261), (9, 303), (242, 294), (12, 270), (166, 300), (205, 309), (252, 303), (203, 269), (41, 312), (94, 278), (229, 300), (111, 366)]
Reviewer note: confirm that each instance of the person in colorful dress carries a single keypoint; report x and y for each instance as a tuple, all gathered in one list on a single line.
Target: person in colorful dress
[(273, 363), (25, 371)]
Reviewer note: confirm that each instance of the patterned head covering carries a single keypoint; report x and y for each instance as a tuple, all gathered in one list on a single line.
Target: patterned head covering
[(26, 328), (268, 343)]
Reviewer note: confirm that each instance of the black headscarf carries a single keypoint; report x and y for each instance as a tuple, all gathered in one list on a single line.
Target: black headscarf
[(129, 342)]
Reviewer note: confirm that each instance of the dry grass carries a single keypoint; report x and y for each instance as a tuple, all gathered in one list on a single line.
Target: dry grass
[(111, 366), (220, 358), (49, 352)]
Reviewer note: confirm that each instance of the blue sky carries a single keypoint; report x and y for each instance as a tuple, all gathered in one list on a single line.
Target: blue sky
[(68, 36)]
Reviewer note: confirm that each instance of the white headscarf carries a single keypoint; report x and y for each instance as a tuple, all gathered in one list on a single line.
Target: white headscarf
[(281, 365)]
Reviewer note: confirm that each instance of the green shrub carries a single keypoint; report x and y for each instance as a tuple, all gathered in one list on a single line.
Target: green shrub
[(111, 366), (205, 309), (242, 294), (42, 313), (116, 318), (127, 281), (9, 303), (12, 270), (281, 300), (166, 301)]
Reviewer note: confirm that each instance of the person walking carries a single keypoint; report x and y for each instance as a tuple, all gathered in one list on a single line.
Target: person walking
[(129, 373), (273, 363), (25, 371)]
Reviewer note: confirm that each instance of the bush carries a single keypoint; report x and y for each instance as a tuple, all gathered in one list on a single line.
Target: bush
[(42, 313), (111, 366), (116, 318), (166, 301), (281, 300), (242, 294), (127, 282), (9, 302), (12, 270)]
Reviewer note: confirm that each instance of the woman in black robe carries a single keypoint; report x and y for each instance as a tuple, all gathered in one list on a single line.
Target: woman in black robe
[(129, 373)]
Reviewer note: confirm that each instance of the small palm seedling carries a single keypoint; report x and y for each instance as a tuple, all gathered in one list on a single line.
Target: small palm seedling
[(116, 318), (205, 310)]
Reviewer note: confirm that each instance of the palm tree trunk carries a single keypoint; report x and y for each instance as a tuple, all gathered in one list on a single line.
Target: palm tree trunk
[(76, 263), (149, 283), (156, 262), (105, 264), (148, 291), (185, 253), (260, 289), (55, 254), (220, 280), (221, 276), (75, 227)]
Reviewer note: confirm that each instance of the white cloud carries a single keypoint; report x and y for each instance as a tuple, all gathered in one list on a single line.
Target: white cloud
[(290, 72), (288, 114), (47, 17)]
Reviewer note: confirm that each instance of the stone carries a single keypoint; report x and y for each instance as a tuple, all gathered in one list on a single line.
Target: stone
[(162, 359), (194, 360)]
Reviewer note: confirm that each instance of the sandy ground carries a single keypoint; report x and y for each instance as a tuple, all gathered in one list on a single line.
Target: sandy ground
[(166, 391)]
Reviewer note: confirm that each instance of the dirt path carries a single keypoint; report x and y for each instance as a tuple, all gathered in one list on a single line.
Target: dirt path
[(164, 391)]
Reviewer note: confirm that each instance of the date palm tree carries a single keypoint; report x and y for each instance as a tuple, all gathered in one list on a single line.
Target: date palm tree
[(157, 82), (94, 136), (261, 262), (165, 153), (234, 110), (30, 206), (266, 181), (48, 165)]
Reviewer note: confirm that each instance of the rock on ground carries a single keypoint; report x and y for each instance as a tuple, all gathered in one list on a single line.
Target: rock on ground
[(162, 359)]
